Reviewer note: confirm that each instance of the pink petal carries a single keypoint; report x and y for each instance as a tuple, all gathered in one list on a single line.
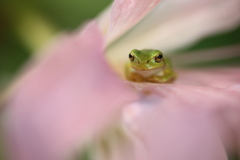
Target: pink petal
[(206, 55), (126, 13), (103, 20), (65, 99), (221, 77), (177, 122)]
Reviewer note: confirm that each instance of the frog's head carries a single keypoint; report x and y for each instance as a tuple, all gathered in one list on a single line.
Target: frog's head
[(146, 59)]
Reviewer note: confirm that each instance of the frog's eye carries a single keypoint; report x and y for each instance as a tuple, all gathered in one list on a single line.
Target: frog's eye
[(131, 57), (158, 58)]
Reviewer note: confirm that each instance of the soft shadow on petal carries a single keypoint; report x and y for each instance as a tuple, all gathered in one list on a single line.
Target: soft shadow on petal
[(178, 122), (174, 24), (126, 13), (65, 99)]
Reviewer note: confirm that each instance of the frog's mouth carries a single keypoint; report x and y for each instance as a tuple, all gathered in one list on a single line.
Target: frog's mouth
[(149, 69)]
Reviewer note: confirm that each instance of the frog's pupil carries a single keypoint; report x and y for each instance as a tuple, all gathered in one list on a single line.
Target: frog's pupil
[(159, 56), (130, 56)]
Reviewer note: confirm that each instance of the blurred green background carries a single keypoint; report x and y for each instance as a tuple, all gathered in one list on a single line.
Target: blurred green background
[(25, 25)]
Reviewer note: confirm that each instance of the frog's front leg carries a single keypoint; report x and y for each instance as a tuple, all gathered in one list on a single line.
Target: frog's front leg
[(168, 76), (136, 77), (132, 76)]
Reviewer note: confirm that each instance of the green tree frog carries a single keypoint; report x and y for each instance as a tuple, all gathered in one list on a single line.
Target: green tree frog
[(149, 66)]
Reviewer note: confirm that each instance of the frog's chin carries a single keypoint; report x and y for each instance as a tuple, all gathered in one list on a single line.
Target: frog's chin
[(147, 69)]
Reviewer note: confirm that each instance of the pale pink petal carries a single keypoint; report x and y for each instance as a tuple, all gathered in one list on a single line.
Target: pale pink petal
[(178, 122), (126, 13), (65, 99), (103, 20), (174, 24), (206, 55), (220, 77)]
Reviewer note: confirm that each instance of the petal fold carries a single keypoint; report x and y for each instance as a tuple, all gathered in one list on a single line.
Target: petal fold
[(126, 13)]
